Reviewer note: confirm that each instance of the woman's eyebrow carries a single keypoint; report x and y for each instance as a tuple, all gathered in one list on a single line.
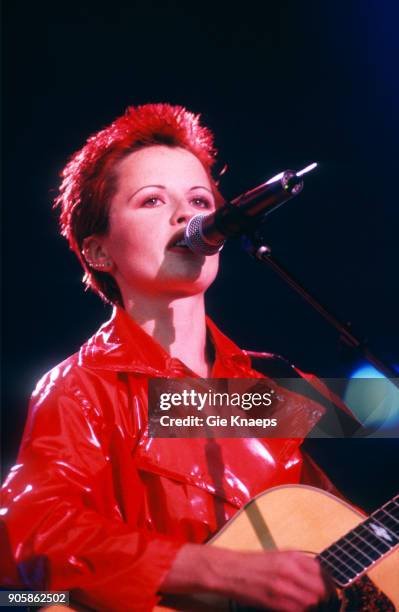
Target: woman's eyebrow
[(163, 187), (145, 187), (201, 187)]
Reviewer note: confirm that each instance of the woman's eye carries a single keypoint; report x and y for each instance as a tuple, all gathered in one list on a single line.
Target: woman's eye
[(202, 203), (152, 202)]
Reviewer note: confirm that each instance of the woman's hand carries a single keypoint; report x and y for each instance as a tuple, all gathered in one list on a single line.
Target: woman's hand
[(283, 581), (278, 581)]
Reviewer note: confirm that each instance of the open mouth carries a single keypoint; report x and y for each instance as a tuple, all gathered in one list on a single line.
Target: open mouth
[(178, 242)]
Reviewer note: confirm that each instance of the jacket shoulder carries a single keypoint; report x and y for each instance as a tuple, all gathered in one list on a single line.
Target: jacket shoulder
[(70, 381), (57, 375)]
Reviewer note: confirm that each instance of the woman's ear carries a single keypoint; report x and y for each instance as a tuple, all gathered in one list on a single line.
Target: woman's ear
[(96, 254)]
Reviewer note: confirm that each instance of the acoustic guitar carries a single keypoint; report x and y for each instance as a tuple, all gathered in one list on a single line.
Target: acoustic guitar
[(360, 554)]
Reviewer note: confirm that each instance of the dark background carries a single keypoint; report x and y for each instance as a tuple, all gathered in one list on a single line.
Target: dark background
[(281, 84)]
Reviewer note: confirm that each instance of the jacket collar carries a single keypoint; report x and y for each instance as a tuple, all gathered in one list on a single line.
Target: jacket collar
[(121, 345)]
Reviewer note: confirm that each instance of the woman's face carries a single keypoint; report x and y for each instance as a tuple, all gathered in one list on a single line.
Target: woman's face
[(159, 189)]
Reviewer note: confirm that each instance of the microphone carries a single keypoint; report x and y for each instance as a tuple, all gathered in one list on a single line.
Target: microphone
[(206, 234)]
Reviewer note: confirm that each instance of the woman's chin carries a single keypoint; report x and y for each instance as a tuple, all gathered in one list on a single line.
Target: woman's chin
[(185, 289)]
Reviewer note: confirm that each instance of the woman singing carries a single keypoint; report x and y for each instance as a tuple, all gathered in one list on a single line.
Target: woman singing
[(94, 506)]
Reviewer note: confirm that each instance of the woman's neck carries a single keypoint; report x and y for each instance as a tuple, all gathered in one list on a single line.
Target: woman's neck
[(178, 325)]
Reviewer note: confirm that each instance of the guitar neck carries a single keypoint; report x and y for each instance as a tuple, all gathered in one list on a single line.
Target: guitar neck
[(353, 554)]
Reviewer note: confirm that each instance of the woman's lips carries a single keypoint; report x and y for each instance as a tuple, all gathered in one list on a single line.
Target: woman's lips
[(180, 249), (178, 237)]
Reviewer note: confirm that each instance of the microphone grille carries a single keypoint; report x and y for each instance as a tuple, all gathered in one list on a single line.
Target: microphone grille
[(195, 239)]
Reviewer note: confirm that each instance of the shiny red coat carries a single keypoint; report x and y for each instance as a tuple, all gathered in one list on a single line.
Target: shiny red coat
[(93, 505)]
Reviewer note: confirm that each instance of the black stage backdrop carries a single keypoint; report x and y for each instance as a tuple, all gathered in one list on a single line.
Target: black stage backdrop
[(282, 84)]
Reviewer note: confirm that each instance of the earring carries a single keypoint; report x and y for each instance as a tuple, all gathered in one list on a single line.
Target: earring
[(105, 266), (101, 267)]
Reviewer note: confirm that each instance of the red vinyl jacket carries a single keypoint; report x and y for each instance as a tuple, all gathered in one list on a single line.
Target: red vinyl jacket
[(96, 507)]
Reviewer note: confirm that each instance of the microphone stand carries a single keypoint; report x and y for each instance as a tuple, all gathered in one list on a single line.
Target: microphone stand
[(253, 244)]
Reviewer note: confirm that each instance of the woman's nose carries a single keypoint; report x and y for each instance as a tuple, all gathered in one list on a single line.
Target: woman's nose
[(182, 214)]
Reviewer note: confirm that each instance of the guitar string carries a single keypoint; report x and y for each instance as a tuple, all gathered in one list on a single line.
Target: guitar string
[(346, 541), (339, 579), (390, 516), (341, 562), (355, 532), (379, 548), (357, 535), (393, 534), (379, 553), (364, 559), (391, 520), (339, 573), (350, 557), (336, 573), (374, 535), (394, 502), (364, 554), (394, 507)]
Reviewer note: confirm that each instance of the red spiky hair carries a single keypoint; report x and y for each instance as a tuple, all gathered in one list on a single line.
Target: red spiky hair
[(89, 179)]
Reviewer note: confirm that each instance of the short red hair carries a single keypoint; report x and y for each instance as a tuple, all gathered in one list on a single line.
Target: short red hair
[(89, 178)]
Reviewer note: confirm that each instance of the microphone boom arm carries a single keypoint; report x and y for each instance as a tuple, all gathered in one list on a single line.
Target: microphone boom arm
[(263, 254)]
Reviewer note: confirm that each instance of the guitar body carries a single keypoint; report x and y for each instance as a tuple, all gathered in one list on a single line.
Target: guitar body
[(302, 518), (296, 517)]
